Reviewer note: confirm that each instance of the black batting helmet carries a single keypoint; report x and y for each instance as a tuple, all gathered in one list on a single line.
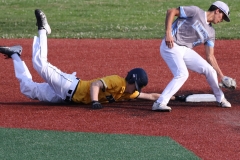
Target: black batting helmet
[(137, 76)]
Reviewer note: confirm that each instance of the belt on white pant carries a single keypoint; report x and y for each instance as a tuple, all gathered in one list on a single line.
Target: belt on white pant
[(72, 90)]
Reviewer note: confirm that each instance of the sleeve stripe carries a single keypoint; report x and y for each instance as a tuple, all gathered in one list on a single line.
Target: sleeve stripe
[(210, 43), (104, 85), (175, 29), (182, 13)]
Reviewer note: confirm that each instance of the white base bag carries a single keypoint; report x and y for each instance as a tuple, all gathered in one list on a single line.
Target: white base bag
[(201, 98)]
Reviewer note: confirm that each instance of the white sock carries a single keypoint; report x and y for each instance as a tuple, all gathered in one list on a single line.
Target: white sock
[(42, 31), (16, 57)]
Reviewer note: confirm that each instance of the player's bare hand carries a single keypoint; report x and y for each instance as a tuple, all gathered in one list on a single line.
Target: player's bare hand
[(169, 41)]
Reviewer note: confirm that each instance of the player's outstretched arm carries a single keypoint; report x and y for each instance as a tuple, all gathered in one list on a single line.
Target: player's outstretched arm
[(151, 96), (94, 91)]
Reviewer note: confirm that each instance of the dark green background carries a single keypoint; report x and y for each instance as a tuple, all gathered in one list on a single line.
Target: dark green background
[(22, 144)]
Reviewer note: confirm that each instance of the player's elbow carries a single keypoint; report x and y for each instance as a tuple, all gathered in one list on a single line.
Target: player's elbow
[(173, 11), (97, 84)]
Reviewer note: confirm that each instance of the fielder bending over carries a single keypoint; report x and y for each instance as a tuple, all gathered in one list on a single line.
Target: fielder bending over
[(192, 27)]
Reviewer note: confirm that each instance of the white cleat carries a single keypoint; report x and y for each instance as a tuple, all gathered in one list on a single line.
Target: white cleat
[(160, 107), (225, 103)]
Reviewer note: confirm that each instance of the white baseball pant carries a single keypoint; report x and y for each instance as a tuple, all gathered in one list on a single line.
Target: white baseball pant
[(40, 91), (179, 59), (63, 84), (58, 86)]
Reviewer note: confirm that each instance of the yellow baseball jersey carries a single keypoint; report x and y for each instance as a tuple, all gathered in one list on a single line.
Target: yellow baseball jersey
[(114, 90)]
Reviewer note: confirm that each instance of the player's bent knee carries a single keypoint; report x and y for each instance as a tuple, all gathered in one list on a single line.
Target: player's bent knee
[(209, 71), (183, 76)]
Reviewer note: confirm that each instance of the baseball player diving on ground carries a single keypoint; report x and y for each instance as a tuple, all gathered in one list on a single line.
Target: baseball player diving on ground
[(60, 87)]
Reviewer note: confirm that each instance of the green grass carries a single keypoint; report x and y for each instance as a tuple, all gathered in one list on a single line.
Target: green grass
[(20, 144), (134, 19)]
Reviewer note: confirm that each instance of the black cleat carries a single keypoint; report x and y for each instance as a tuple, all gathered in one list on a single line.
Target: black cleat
[(9, 51), (42, 21), (182, 98)]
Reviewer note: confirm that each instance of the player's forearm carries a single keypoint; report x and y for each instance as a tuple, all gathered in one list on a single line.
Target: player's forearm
[(94, 91), (154, 96), (212, 61), (148, 96), (168, 22), (170, 16), (217, 68)]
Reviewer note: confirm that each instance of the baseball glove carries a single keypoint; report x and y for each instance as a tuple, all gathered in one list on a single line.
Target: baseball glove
[(228, 82)]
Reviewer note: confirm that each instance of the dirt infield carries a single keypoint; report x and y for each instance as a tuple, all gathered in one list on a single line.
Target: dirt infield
[(211, 132)]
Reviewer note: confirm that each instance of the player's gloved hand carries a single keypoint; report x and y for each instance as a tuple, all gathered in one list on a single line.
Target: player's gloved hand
[(182, 98), (228, 82), (96, 105)]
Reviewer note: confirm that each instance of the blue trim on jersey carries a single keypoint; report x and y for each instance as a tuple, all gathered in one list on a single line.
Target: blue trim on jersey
[(182, 13), (175, 27), (210, 43), (202, 32)]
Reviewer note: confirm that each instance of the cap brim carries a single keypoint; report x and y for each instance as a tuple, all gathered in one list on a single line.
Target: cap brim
[(137, 87), (226, 18)]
